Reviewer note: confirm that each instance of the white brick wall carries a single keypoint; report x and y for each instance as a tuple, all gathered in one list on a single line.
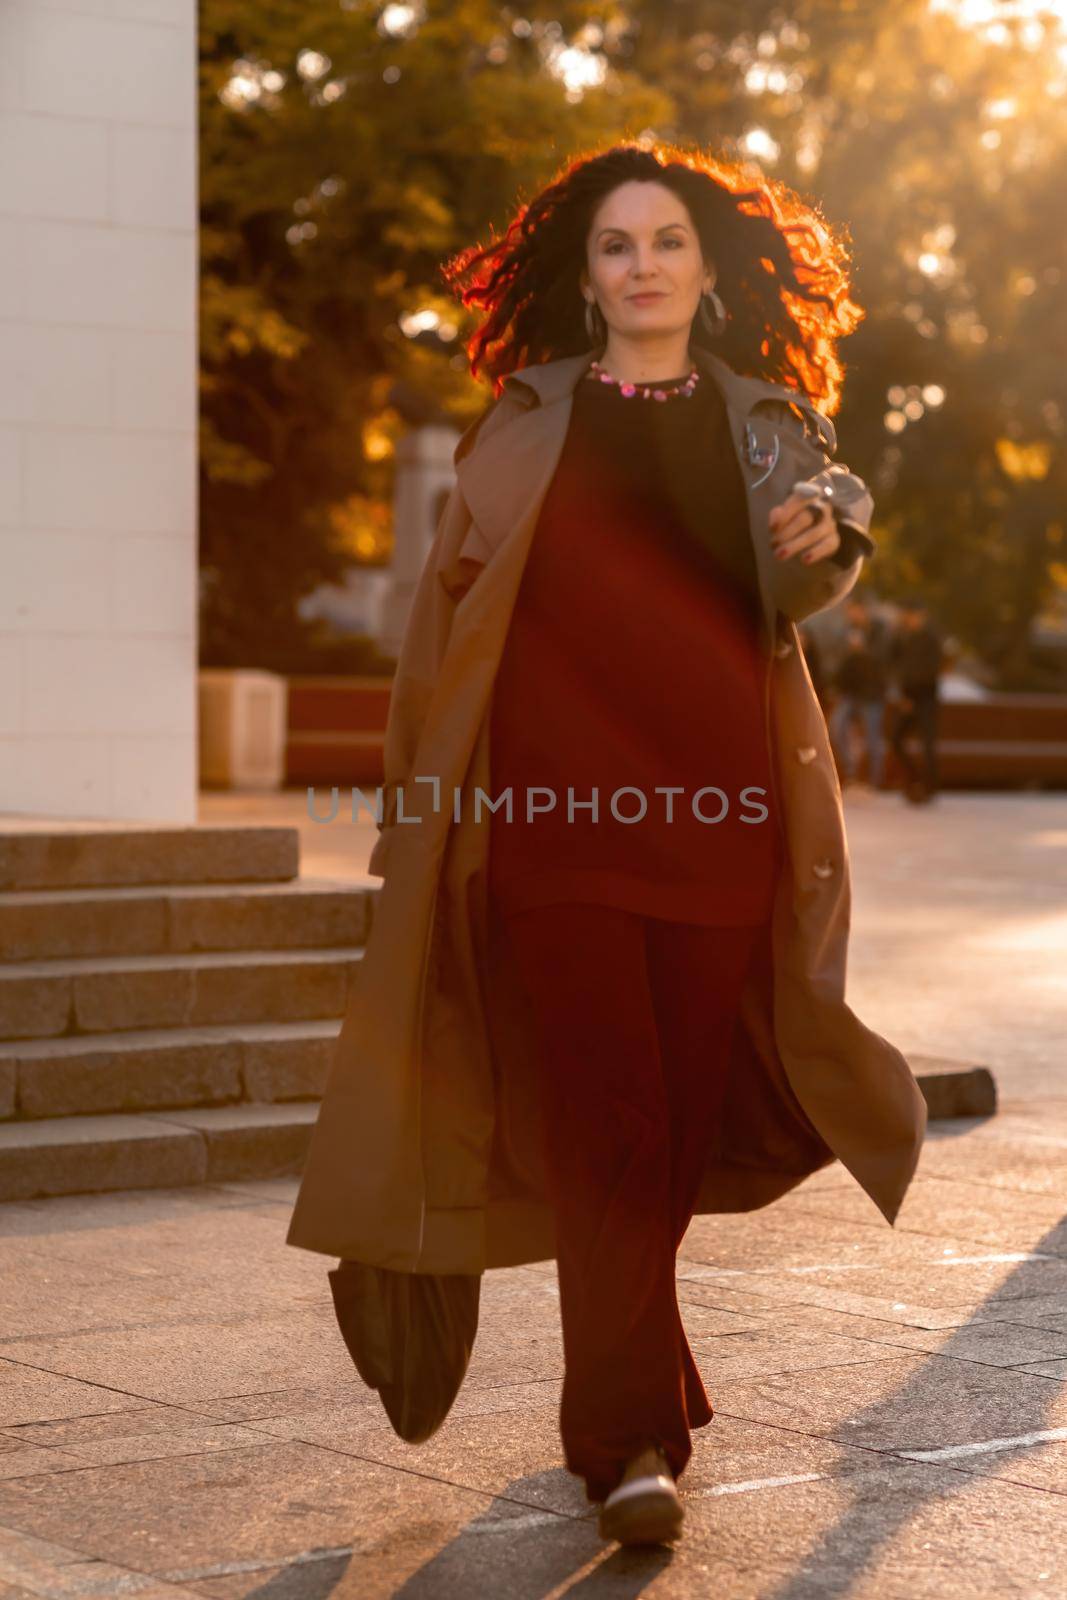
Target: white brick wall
[(98, 408)]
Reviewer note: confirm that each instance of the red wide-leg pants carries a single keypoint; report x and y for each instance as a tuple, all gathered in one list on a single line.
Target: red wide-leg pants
[(634, 1017)]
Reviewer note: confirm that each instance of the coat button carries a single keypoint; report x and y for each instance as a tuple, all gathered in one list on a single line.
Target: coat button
[(806, 753), (823, 869)]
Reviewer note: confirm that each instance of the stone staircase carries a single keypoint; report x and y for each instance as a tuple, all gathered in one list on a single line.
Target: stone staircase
[(169, 998)]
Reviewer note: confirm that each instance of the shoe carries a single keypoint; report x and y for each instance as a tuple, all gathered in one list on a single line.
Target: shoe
[(644, 1508)]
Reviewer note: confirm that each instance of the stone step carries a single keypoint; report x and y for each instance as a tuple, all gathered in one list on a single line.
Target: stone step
[(308, 913), (149, 1069), (161, 1149), (89, 855), (77, 1155), (111, 994)]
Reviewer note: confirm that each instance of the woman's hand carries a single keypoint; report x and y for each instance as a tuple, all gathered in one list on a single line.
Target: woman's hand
[(804, 525)]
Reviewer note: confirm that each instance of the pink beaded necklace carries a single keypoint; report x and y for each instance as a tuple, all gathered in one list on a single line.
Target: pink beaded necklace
[(647, 391)]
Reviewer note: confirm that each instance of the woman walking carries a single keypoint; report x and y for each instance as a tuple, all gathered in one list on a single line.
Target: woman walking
[(626, 985)]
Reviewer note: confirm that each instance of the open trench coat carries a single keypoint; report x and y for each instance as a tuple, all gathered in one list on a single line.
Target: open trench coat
[(426, 1153)]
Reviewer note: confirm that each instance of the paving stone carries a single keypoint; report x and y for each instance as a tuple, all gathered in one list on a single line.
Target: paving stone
[(524, 1447), (189, 1363), (1033, 1310), (869, 1287), (24, 1463), (898, 1333), (282, 1191), (787, 1299), (187, 1441), (742, 1355), (733, 1453), (508, 1551), (141, 1281), (787, 1238), (77, 1431), (1042, 1311), (260, 1503), (140, 1233), (27, 1394), (719, 1294), (1025, 1458), (348, 1395), (520, 1446), (989, 1340), (1046, 1369), (880, 1533), (996, 1344), (354, 1427), (708, 1322), (67, 1218), (1001, 1164), (902, 1531), (903, 1403), (111, 1307), (43, 1571), (1001, 1218)]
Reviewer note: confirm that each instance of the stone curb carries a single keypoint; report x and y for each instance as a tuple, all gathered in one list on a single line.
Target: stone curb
[(955, 1088)]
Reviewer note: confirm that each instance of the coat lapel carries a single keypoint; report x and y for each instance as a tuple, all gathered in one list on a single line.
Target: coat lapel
[(513, 463)]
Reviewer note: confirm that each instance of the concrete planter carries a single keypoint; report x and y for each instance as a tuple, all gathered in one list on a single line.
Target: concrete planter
[(243, 719)]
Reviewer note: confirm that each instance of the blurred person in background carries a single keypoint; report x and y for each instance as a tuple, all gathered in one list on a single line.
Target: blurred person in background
[(860, 682), (916, 658), (815, 658)]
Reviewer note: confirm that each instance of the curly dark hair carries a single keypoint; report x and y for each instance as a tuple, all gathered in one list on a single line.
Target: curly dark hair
[(781, 269)]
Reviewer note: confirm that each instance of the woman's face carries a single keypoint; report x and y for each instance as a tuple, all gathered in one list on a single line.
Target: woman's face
[(642, 242)]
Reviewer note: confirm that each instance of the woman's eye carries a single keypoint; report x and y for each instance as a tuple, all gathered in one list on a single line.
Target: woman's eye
[(616, 245)]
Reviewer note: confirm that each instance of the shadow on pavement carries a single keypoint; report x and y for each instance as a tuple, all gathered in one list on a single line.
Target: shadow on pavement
[(977, 1408)]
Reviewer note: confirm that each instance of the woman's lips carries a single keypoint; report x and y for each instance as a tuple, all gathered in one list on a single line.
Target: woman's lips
[(645, 299)]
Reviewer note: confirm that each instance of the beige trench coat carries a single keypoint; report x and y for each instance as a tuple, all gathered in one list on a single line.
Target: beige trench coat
[(425, 1156)]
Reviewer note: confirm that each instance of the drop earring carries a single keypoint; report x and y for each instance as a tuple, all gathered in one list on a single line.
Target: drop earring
[(712, 313), (595, 326)]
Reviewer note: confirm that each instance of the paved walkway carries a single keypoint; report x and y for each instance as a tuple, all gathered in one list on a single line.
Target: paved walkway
[(178, 1415)]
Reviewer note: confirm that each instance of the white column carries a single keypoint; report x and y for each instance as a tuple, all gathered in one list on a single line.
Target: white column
[(425, 473), (98, 358)]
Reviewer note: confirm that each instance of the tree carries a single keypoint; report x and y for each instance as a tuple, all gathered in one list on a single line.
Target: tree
[(943, 147), (350, 148), (345, 153)]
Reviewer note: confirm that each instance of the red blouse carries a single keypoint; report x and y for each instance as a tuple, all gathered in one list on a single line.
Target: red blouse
[(632, 661)]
